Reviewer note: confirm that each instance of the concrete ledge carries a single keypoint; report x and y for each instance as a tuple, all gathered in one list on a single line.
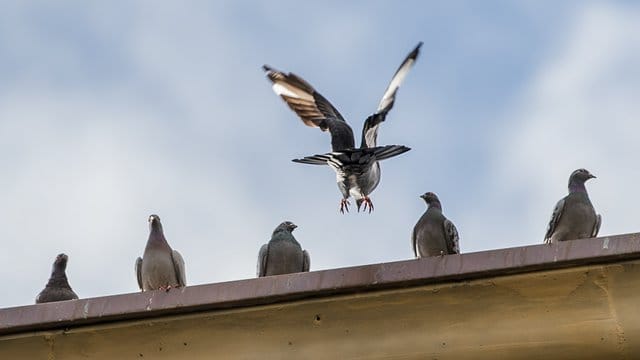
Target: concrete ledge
[(318, 284)]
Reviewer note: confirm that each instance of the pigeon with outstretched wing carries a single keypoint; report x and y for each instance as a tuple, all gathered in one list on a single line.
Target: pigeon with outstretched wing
[(357, 169)]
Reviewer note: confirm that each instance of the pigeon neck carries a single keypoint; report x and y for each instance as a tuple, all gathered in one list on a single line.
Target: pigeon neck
[(435, 205), (283, 235), (576, 186), (280, 231), (58, 278), (156, 237)]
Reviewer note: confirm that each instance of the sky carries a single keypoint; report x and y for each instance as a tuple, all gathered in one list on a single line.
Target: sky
[(112, 111)]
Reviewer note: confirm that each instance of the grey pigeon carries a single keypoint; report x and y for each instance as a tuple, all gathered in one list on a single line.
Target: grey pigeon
[(574, 216), (434, 234), (357, 169), (57, 289), (160, 266), (283, 253)]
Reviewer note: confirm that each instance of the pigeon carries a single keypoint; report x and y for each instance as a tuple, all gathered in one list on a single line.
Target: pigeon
[(160, 267), (57, 289), (574, 216), (434, 234), (357, 169), (283, 253)]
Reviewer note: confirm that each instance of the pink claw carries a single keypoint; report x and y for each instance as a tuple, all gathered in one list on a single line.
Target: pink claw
[(344, 205), (367, 203)]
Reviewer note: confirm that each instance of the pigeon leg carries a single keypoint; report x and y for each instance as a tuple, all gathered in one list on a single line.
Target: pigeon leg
[(344, 206), (367, 203)]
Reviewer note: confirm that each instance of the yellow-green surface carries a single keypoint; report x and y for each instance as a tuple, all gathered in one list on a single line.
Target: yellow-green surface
[(590, 312)]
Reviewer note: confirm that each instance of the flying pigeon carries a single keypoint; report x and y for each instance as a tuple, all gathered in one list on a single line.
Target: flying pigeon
[(282, 254), (574, 216), (434, 234), (357, 169), (57, 289), (160, 266)]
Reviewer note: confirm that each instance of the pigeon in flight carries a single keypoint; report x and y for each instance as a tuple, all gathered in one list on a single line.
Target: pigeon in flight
[(160, 267), (357, 169), (283, 253), (574, 216), (434, 234), (57, 289)]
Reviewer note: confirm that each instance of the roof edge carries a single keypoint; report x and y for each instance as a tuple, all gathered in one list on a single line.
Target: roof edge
[(315, 284)]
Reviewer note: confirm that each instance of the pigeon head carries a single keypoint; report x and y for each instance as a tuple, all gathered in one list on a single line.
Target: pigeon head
[(578, 178), (61, 261), (431, 199), (154, 222), (287, 226)]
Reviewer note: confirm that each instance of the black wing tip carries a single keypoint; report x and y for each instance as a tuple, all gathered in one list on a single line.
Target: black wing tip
[(267, 68), (402, 148), (414, 53)]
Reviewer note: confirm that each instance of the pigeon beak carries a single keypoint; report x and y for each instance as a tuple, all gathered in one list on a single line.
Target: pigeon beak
[(293, 226), (591, 176)]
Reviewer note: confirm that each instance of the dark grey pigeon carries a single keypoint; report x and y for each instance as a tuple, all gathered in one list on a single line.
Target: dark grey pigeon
[(357, 169), (283, 253), (160, 266), (57, 289), (434, 234), (574, 216)]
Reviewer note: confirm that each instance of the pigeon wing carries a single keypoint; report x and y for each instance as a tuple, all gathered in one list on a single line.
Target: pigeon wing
[(370, 128), (313, 108), (178, 265), (306, 261), (553, 223), (413, 241), (596, 226), (452, 237), (262, 260), (138, 269)]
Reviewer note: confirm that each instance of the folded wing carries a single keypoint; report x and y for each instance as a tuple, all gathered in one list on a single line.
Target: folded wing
[(553, 223)]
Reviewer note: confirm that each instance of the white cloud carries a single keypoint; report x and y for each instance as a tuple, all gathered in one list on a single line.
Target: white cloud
[(147, 109), (579, 110)]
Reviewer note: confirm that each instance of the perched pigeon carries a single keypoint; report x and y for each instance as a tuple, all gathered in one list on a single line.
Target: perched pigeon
[(160, 267), (434, 234), (357, 169), (57, 289), (574, 217), (282, 254)]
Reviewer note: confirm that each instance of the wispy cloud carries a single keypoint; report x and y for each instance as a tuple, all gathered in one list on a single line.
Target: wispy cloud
[(115, 111), (577, 111)]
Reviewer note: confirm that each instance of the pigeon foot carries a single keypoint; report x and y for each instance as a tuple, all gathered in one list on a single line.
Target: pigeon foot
[(344, 206), (366, 201)]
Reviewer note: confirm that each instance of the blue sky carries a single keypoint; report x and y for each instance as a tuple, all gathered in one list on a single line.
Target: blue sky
[(110, 112)]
